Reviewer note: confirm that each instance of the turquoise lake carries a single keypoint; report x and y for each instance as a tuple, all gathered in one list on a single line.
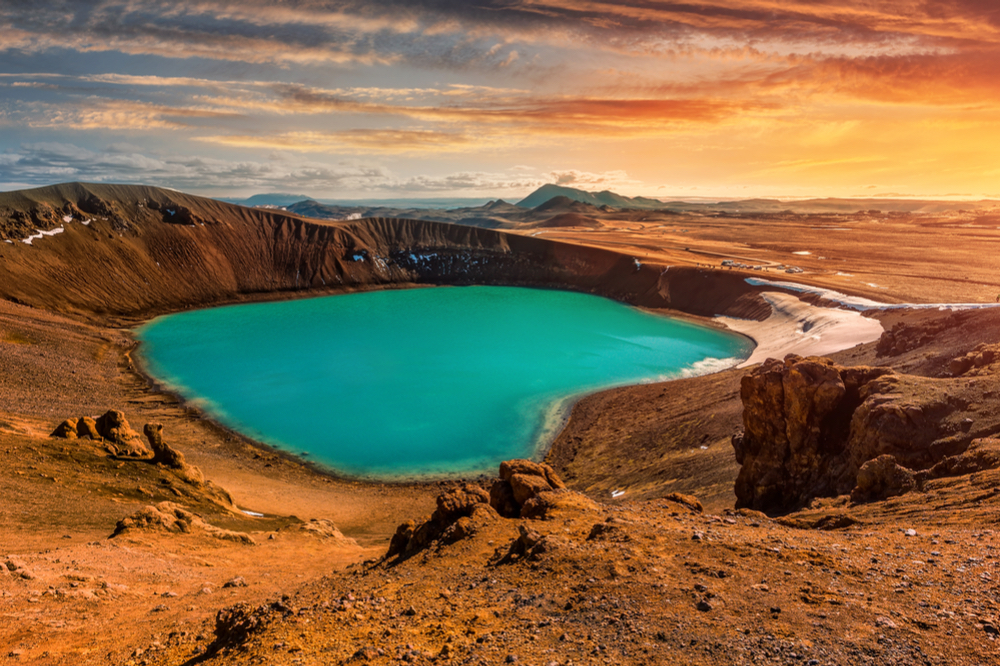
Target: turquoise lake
[(419, 382)]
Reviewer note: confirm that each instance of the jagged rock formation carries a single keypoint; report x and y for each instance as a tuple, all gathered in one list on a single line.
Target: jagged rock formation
[(523, 488), (458, 513), (172, 518), (112, 428), (812, 428), (796, 417), (115, 429), (167, 456)]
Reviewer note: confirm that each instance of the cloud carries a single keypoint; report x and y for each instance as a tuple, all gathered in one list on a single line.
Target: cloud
[(43, 163), (368, 141), (462, 34)]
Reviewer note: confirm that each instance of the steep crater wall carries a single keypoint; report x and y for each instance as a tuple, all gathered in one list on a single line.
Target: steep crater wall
[(132, 251)]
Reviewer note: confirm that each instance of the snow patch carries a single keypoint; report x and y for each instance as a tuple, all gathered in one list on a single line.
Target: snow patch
[(40, 234), (67, 218), (861, 303), (801, 252)]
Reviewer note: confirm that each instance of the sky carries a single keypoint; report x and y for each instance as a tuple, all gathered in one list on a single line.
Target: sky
[(493, 98)]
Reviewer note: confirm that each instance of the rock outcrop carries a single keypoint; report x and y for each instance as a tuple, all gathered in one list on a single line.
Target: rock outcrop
[(115, 429), (111, 428), (796, 418), (975, 362), (524, 488), (325, 529), (172, 518), (813, 428), (458, 514), (168, 457)]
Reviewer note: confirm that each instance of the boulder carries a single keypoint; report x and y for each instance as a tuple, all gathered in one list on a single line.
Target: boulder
[(66, 429), (686, 500), (881, 478), (550, 504), (520, 481), (86, 427), (162, 452), (113, 427), (530, 545), (460, 502)]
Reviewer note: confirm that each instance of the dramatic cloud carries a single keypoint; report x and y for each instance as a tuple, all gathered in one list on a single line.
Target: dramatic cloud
[(723, 93)]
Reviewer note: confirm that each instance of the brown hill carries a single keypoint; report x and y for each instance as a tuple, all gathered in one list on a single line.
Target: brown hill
[(565, 220), (135, 251)]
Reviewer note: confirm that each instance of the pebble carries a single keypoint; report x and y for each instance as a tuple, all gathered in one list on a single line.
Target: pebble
[(910, 532), (704, 605)]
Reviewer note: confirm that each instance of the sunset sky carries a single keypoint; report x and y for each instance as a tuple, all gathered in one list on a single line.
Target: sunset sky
[(492, 98)]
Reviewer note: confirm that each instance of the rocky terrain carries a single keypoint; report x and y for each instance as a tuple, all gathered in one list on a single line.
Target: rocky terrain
[(808, 510)]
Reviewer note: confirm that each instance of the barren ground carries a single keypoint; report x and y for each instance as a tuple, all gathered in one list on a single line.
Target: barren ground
[(775, 590)]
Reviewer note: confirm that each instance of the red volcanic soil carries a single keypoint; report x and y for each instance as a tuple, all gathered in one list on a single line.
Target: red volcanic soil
[(140, 559)]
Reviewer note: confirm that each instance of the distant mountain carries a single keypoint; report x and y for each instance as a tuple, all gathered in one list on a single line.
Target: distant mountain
[(282, 199), (564, 204), (270, 199), (603, 198)]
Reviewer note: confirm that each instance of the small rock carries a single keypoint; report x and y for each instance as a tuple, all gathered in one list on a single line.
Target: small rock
[(704, 605), (910, 532), (884, 622), (511, 659), (235, 582)]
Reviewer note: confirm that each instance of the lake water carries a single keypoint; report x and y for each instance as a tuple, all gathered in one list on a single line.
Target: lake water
[(419, 382)]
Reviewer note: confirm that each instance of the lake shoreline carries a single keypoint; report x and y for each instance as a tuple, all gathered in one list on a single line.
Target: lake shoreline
[(547, 430)]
